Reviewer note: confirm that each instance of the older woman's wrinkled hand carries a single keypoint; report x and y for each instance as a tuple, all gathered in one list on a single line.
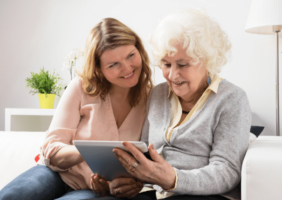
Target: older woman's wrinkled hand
[(119, 187), (157, 171), (99, 185), (125, 187)]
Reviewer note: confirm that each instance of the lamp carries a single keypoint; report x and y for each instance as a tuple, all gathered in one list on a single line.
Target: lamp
[(265, 17)]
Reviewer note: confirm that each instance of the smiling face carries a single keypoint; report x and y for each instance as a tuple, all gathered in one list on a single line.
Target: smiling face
[(184, 78), (121, 66)]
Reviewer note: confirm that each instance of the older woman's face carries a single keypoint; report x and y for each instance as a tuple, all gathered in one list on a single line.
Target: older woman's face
[(183, 77)]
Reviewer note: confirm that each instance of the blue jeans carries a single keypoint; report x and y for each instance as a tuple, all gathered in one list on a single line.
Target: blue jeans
[(151, 195), (41, 183)]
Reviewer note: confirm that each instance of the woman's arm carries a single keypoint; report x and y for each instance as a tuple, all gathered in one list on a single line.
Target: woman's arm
[(66, 157), (58, 149)]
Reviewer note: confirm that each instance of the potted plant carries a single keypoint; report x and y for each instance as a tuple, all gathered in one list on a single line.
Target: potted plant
[(46, 85)]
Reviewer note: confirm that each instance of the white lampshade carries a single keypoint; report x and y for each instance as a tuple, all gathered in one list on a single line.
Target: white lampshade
[(263, 15)]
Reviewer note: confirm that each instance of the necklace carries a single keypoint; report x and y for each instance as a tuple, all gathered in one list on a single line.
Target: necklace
[(185, 112)]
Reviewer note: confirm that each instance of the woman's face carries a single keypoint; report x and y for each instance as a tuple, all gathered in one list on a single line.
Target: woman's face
[(183, 77), (122, 66)]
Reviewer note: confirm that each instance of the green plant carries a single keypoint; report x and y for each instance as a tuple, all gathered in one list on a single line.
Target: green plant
[(44, 83)]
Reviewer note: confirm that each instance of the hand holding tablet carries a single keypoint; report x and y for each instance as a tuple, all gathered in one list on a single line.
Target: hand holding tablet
[(100, 157)]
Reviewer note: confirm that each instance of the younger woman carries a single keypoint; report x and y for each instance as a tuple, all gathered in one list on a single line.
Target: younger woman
[(106, 102)]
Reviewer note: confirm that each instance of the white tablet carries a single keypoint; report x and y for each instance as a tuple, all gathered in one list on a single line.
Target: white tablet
[(100, 157)]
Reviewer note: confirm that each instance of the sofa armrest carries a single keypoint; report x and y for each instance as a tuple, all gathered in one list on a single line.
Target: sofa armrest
[(262, 170)]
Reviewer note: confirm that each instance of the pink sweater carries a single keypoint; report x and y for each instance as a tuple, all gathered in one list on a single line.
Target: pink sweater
[(80, 117)]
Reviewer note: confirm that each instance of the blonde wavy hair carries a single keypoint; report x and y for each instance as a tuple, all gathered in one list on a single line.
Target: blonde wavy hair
[(205, 41), (109, 34)]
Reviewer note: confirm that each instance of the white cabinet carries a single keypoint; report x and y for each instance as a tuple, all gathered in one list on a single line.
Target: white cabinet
[(28, 119)]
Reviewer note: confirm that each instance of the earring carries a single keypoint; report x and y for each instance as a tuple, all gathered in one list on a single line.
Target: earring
[(209, 78)]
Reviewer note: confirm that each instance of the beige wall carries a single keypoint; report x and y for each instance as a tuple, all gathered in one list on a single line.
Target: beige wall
[(36, 33)]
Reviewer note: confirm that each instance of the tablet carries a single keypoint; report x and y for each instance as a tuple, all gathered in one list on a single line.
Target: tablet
[(100, 157)]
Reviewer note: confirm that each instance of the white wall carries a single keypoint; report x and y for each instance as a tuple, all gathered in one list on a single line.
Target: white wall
[(36, 33)]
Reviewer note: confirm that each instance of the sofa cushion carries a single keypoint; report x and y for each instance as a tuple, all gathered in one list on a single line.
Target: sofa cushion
[(18, 150)]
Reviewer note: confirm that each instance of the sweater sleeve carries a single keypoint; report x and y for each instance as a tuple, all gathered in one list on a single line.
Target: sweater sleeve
[(64, 123), (230, 143)]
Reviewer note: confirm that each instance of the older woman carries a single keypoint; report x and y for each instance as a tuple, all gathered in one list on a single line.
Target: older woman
[(197, 123)]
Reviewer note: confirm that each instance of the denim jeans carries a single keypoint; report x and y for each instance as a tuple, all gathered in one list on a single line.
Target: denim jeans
[(41, 183), (151, 195)]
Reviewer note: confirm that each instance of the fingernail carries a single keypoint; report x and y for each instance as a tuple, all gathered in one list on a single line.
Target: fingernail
[(124, 144), (151, 146)]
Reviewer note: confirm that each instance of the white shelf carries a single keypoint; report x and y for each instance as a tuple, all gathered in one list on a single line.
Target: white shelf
[(30, 111), (10, 112)]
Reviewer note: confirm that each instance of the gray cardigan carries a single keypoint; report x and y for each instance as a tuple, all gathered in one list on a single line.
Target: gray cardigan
[(207, 151)]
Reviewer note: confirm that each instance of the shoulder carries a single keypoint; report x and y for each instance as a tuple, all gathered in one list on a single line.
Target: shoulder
[(76, 83), (75, 89), (160, 90), (230, 95), (158, 97), (228, 89)]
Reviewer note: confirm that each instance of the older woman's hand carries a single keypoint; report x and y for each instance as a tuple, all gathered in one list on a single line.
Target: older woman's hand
[(125, 187), (157, 171), (99, 185), (119, 187)]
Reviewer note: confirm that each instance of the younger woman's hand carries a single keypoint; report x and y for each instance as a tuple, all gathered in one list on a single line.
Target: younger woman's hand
[(99, 185)]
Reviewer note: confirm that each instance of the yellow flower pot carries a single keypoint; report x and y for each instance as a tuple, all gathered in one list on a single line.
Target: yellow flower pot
[(46, 101)]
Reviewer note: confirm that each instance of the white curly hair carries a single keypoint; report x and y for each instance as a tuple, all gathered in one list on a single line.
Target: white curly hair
[(205, 41)]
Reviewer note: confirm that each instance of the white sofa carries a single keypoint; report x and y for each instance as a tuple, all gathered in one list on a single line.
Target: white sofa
[(17, 153), (261, 172)]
